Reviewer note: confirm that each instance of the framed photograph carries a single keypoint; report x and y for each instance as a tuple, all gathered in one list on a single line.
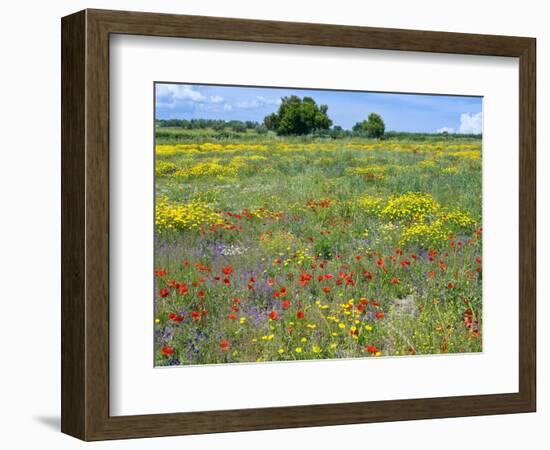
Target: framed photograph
[(272, 225)]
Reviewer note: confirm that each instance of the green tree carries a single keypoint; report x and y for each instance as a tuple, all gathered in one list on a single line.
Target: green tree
[(271, 122), (237, 126), (298, 116), (373, 127)]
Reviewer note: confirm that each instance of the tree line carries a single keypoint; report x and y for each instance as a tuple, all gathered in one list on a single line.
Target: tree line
[(295, 117), (237, 126), (299, 117)]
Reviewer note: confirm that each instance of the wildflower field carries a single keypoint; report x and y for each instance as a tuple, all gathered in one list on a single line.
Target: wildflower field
[(276, 249)]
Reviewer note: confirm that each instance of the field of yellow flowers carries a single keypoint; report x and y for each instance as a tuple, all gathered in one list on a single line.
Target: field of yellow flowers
[(286, 249)]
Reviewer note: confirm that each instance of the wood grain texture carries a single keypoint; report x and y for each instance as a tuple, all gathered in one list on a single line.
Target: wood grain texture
[(73, 319), (85, 224), (527, 224)]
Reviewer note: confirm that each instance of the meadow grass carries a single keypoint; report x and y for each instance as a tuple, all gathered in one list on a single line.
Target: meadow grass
[(281, 249)]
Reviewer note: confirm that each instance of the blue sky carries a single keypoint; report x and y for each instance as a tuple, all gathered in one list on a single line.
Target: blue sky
[(401, 112)]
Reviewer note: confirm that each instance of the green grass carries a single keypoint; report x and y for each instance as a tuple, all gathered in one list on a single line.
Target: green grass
[(291, 215)]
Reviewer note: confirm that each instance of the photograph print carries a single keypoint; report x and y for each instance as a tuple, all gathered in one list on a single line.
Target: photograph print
[(301, 224)]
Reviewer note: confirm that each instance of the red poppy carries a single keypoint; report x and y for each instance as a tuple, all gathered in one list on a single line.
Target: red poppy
[(431, 274), (405, 262), (234, 309), (201, 293), (227, 270), (232, 316), (164, 292), (202, 268), (305, 278), (226, 281), (300, 314), (225, 345), (358, 257), (160, 272), (368, 275), (379, 315), (270, 282), (252, 279), (237, 300), (380, 262), (172, 283), (286, 304), (175, 317), (372, 349), (183, 289), (395, 280), (468, 317), (167, 350), (326, 290), (273, 315), (451, 285), (375, 303)]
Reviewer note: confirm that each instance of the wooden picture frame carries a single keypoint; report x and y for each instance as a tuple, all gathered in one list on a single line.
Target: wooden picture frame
[(85, 224)]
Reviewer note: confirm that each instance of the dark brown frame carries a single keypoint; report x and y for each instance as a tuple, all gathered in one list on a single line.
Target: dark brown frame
[(85, 224)]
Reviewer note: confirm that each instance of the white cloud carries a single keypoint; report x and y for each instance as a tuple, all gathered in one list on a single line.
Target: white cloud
[(171, 93), (258, 102), (187, 97), (227, 107), (268, 101), (445, 130), (471, 123), (169, 105)]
